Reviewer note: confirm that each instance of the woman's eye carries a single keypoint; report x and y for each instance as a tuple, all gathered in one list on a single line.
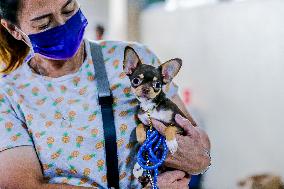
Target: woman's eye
[(136, 81), (68, 12), (43, 27), (157, 85), (69, 9)]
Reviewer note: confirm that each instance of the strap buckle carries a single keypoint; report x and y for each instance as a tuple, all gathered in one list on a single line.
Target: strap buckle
[(106, 101)]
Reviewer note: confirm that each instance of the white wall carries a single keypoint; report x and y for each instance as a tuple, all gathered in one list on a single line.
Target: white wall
[(118, 19), (97, 12), (118, 16), (234, 64)]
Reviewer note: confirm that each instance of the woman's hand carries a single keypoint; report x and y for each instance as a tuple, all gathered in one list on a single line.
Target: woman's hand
[(192, 155), (172, 180)]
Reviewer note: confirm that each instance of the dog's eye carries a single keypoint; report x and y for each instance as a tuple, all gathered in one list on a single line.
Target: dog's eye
[(157, 85), (136, 81)]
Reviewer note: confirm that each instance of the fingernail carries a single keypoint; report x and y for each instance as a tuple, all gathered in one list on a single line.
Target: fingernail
[(154, 121), (178, 116)]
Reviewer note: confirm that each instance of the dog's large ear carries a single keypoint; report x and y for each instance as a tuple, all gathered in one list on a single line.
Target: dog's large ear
[(131, 60), (170, 69)]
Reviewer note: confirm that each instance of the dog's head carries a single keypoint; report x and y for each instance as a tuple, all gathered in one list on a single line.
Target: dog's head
[(146, 80)]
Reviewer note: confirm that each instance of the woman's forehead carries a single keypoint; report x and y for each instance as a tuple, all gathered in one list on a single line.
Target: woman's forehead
[(34, 8)]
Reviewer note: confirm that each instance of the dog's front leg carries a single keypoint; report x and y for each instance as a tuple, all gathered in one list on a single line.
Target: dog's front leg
[(140, 133), (171, 140)]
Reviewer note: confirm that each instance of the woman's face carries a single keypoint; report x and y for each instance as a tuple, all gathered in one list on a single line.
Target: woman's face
[(39, 15), (36, 16)]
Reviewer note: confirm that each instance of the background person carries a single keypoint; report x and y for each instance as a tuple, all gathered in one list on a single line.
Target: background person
[(100, 30)]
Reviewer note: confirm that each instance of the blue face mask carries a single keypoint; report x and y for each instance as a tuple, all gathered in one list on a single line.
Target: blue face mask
[(61, 42)]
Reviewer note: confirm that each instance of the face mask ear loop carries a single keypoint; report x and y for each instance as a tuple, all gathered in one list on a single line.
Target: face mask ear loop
[(31, 53)]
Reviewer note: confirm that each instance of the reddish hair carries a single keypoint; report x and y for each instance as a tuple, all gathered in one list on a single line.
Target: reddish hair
[(12, 51)]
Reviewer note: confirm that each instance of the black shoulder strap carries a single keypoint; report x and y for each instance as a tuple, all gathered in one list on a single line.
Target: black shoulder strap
[(106, 101)]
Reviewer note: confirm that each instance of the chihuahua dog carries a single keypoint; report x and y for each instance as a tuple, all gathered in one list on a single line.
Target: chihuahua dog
[(146, 83)]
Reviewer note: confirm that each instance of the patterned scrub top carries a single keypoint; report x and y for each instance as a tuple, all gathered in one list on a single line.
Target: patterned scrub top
[(72, 151)]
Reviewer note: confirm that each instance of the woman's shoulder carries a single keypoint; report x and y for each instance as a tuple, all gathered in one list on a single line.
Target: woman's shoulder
[(118, 43), (5, 79), (112, 45), (5, 84), (12, 79), (115, 49)]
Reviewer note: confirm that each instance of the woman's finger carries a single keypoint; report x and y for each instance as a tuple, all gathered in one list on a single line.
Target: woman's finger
[(183, 183), (159, 126), (171, 176), (185, 124)]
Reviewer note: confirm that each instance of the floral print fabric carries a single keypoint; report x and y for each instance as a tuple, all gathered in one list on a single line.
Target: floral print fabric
[(72, 151)]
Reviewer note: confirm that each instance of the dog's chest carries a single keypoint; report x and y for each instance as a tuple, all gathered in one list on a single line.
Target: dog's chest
[(161, 115)]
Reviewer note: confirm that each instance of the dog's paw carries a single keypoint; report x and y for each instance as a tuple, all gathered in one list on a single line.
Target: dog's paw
[(137, 171), (172, 145), (141, 138), (140, 133)]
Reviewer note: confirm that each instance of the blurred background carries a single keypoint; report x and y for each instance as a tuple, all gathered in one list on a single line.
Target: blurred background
[(232, 80)]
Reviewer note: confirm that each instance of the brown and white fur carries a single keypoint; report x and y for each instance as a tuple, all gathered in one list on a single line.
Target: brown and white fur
[(146, 83), (263, 181)]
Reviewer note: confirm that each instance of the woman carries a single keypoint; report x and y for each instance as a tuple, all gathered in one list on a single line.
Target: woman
[(50, 122)]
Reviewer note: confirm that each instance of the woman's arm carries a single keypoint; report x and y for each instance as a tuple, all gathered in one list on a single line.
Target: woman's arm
[(193, 153), (20, 168)]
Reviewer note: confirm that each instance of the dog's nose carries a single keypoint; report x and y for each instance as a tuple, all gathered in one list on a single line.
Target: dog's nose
[(146, 90)]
